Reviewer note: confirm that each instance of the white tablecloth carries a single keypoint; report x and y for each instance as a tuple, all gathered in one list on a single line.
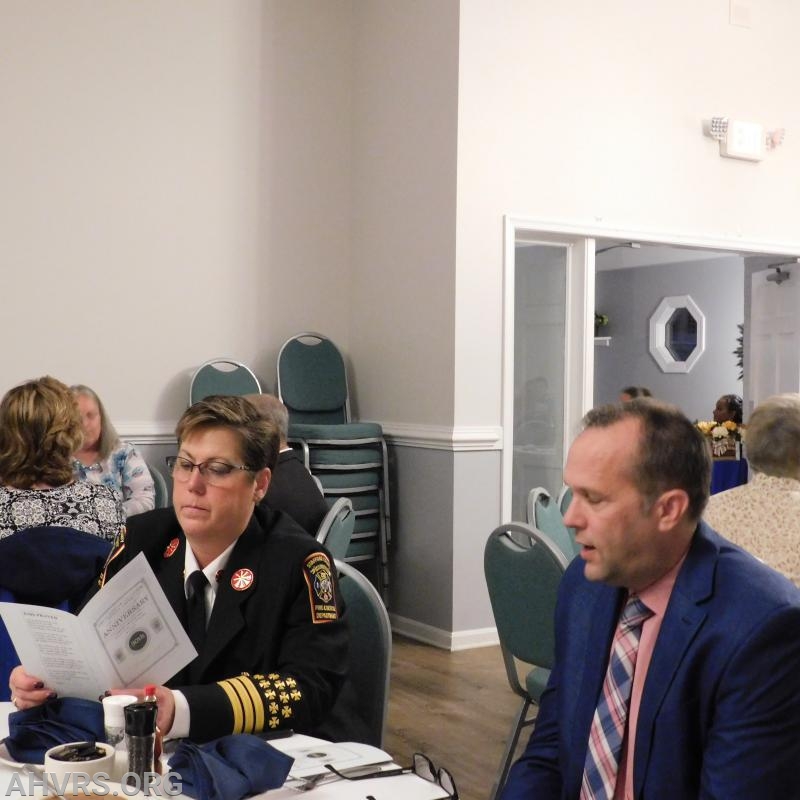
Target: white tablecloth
[(399, 787)]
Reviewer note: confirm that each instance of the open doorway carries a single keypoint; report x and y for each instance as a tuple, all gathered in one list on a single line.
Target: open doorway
[(631, 283), (632, 280)]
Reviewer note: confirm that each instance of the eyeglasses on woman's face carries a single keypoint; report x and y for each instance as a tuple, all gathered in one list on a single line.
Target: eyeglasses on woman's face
[(421, 766), (214, 472)]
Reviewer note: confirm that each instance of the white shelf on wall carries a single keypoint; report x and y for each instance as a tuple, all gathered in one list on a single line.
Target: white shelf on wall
[(602, 341)]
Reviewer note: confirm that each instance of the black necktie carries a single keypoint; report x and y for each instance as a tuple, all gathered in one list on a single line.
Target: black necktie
[(196, 609)]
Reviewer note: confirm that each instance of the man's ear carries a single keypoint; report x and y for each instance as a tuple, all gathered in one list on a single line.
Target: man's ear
[(263, 477), (671, 508)]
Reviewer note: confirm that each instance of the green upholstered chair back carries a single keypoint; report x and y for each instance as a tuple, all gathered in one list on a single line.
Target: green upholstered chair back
[(523, 580), (336, 528), (312, 381), (564, 499), (163, 498), (370, 656), (545, 515), (222, 376)]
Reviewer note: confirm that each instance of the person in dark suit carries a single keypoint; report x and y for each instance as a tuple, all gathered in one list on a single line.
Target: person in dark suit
[(292, 489), (715, 701), (272, 639)]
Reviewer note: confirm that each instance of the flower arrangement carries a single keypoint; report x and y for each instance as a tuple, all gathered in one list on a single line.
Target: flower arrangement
[(724, 436)]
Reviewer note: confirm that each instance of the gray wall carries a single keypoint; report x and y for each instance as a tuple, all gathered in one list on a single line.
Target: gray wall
[(630, 296), (422, 524)]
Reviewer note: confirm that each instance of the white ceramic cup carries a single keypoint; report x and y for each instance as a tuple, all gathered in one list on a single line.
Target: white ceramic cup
[(114, 716), (63, 773)]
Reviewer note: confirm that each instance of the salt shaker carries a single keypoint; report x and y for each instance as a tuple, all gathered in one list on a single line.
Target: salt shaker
[(114, 723)]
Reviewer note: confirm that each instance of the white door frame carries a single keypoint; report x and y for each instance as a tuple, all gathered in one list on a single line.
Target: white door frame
[(579, 350)]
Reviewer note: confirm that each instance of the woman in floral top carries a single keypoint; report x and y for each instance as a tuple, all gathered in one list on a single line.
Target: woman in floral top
[(40, 428), (104, 459)]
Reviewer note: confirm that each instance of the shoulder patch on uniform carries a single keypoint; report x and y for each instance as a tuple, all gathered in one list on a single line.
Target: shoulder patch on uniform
[(321, 595)]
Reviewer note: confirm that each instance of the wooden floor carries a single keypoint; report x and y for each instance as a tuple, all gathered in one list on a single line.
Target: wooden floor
[(454, 707)]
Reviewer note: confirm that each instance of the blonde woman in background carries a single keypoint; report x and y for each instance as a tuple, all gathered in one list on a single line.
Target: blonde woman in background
[(104, 459), (40, 429)]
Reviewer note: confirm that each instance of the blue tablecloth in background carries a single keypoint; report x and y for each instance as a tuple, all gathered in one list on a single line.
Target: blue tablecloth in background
[(728, 474)]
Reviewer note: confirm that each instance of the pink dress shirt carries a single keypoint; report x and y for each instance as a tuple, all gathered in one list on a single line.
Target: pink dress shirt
[(656, 598)]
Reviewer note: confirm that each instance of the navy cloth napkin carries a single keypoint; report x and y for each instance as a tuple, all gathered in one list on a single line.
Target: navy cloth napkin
[(229, 768), (65, 719)]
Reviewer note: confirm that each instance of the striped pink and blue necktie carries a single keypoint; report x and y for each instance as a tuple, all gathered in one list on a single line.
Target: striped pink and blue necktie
[(608, 725)]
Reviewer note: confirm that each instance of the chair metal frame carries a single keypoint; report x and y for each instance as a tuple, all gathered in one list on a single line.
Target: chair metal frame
[(160, 485), (564, 539), (531, 546), (384, 627), (340, 516), (564, 498), (212, 362)]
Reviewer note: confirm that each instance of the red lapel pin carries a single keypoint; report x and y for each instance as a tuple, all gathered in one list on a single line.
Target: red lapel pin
[(172, 547), (242, 579)]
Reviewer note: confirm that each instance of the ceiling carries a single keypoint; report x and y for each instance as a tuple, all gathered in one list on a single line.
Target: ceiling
[(647, 255)]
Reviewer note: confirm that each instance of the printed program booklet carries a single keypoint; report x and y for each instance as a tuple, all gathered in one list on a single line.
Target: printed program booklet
[(127, 635)]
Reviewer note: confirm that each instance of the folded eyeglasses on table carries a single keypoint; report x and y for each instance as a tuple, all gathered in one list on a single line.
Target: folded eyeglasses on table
[(421, 766)]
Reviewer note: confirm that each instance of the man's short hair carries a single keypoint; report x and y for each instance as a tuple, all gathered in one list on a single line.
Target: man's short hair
[(673, 454), (773, 436), (258, 438), (272, 410)]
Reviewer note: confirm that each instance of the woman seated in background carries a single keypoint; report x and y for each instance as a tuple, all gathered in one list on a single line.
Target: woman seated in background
[(103, 458), (40, 429), (763, 516), (728, 409)]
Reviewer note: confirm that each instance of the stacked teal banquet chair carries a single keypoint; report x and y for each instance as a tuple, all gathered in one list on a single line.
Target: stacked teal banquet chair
[(349, 459), (222, 376)]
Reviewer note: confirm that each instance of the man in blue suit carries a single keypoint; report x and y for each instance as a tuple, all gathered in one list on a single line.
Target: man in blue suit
[(715, 705)]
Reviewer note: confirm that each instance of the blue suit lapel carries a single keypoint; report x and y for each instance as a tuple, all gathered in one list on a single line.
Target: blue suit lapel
[(682, 621), (599, 618)]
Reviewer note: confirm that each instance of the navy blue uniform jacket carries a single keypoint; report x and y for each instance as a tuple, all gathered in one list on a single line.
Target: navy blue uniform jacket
[(275, 655), (720, 710)]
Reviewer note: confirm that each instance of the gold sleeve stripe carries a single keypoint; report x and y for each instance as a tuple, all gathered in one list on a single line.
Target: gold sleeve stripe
[(245, 704), (236, 706), (254, 706)]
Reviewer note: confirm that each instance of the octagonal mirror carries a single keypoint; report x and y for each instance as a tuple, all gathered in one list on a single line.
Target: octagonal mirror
[(677, 334)]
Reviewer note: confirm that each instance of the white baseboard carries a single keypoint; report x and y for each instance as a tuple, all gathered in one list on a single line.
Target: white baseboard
[(446, 640)]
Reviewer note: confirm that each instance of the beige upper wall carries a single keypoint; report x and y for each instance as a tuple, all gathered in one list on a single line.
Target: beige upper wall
[(176, 185), (591, 114), (203, 177), (405, 79)]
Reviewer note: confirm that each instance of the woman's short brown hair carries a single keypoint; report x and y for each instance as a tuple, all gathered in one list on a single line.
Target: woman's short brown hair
[(40, 430), (258, 438)]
